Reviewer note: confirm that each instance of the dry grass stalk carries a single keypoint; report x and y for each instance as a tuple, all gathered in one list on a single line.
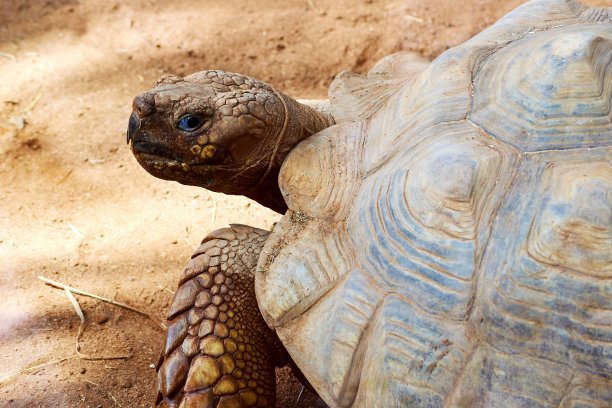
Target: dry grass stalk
[(112, 302), (79, 312), (190, 244), (214, 212), (34, 102), (8, 56), (115, 399), (413, 18), (64, 178), (59, 360)]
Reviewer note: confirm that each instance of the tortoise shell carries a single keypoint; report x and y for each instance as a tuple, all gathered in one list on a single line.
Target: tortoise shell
[(453, 245)]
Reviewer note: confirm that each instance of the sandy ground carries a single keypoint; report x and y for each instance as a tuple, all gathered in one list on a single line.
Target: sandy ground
[(74, 205)]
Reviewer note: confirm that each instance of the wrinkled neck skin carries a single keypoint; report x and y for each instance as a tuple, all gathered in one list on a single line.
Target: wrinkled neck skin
[(300, 122)]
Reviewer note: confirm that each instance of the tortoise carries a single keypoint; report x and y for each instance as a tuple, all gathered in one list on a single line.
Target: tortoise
[(446, 243)]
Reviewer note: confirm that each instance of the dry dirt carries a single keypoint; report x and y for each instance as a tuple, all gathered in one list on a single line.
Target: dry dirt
[(75, 206)]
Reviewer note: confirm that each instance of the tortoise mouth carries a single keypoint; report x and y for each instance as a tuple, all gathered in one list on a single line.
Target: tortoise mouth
[(166, 164), (156, 152)]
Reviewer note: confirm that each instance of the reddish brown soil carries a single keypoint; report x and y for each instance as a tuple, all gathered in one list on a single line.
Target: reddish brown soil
[(75, 206)]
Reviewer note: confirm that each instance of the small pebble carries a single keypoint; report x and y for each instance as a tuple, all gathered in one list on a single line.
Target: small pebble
[(125, 383)]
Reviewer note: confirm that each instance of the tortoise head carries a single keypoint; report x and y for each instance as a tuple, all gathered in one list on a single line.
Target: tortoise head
[(213, 129)]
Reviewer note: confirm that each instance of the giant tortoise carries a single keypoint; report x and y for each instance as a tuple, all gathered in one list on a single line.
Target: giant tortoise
[(447, 240)]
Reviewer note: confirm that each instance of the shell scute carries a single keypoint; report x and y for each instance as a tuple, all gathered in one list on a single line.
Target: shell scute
[(316, 268), (548, 259), (406, 342), (333, 370), (496, 379), (417, 221), (316, 178), (576, 234), (554, 94)]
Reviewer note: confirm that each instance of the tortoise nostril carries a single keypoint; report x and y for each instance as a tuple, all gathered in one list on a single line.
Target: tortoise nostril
[(144, 104)]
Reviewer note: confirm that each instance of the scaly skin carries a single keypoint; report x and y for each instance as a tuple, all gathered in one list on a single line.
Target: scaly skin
[(219, 352), (246, 130)]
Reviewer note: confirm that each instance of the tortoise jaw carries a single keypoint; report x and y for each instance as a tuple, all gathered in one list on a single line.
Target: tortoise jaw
[(167, 164), (155, 151), (194, 174)]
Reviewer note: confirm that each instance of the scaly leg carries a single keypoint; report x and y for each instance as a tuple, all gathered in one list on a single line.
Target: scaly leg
[(219, 352)]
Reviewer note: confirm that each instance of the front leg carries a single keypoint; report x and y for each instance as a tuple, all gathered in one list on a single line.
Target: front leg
[(219, 352)]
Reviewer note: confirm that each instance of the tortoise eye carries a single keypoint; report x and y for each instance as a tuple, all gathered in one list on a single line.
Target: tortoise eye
[(189, 123)]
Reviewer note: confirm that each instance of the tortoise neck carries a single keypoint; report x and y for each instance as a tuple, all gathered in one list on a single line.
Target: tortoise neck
[(300, 121)]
